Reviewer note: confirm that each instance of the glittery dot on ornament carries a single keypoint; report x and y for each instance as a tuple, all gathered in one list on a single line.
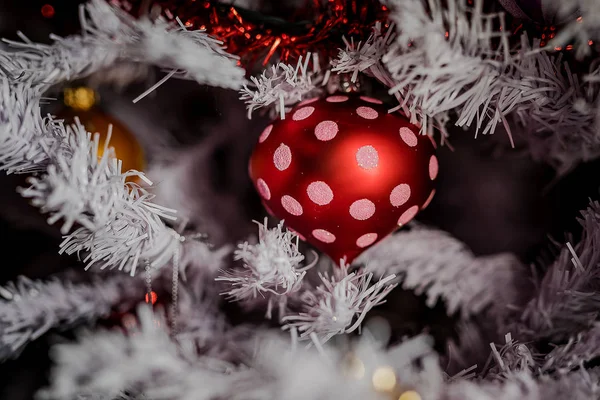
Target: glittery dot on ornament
[(265, 134), (263, 189), (308, 101), (400, 195), (408, 215), (282, 158), (324, 236), (320, 193), (291, 205), (433, 167), (362, 209), (371, 100), (303, 113), (326, 130), (408, 136), (366, 240), (337, 99), (342, 181), (367, 157), (367, 112)]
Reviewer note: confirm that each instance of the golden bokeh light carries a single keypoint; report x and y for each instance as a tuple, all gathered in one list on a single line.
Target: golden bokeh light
[(384, 379), (80, 98), (410, 395), (354, 367)]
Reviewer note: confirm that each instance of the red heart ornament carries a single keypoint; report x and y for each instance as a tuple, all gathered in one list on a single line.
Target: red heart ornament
[(343, 172)]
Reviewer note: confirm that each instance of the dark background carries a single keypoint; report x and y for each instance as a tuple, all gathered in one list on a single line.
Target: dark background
[(493, 198)]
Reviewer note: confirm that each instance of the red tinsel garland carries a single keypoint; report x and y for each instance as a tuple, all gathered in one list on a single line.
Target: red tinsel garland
[(258, 40)]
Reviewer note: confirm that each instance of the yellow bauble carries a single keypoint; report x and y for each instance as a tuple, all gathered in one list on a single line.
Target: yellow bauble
[(81, 102)]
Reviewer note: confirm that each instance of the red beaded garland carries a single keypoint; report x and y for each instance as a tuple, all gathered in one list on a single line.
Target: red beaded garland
[(343, 172)]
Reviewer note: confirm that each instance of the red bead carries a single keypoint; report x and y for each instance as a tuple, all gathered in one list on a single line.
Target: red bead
[(343, 172)]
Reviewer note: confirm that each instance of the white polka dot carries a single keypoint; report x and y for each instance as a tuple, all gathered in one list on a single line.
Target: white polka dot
[(320, 193), (366, 240), (323, 235), (326, 130), (408, 215), (303, 113), (263, 189), (367, 112), (291, 205), (282, 158), (367, 157), (337, 99), (433, 167), (400, 195), (371, 100), (362, 209), (308, 101), (265, 134), (408, 136), (428, 201)]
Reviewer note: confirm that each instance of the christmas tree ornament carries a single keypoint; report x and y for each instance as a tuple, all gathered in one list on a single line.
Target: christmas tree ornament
[(343, 172), (84, 103)]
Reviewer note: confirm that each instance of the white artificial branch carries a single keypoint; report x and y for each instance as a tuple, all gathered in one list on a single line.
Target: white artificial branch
[(443, 60), (567, 299), (561, 119), (284, 85), (29, 309), (438, 266), (271, 268), (117, 225), (110, 35), (145, 362), (366, 57), (339, 304)]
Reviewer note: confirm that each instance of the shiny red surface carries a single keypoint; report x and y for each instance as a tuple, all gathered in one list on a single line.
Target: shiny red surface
[(334, 162)]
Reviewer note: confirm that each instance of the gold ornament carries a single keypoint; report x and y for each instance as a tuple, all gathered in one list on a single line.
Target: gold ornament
[(82, 102)]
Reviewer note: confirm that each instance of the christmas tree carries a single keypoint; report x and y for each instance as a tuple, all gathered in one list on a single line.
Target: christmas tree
[(339, 228)]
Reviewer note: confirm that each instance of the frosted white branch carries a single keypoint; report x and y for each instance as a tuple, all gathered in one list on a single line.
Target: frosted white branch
[(271, 268), (29, 309), (108, 364), (433, 263), (118, 226), (111, 35), (567, 299), (283, 85), (443, 60), (339, 304), (562, 122), (366, 57)]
